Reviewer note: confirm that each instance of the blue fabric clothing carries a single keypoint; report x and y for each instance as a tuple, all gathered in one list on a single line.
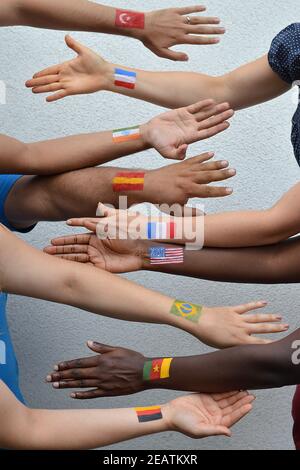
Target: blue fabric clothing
[(9, 372), (284, 59)]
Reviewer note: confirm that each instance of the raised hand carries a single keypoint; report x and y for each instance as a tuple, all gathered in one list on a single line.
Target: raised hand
[(170, 133), (84, 74)]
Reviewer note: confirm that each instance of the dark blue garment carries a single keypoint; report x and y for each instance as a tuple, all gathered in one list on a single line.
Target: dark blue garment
[(284, 59), (9, 372)]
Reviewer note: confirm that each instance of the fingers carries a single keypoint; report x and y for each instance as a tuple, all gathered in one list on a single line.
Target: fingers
[(53, 70), (256, 341), (79, 258), (250, 307), (74, 45), (42, 81), (221, 396), (47, 88), (208, 133), (75, 384), (205, 191), (57, 96), (80, 239), (82, 221), (232, 399), (105, 211), (206, 177), (67, 249), (210, 111), (189, 10), (211, 430), (233, 418), (83, 369), (262, 318), (99, 347), (204, 29), (180, 153), (199, 159), (200, 106), (89, 395), (203, 20), (216, 119), (173, 55), (212, 166), (267, 328), (199, 40)]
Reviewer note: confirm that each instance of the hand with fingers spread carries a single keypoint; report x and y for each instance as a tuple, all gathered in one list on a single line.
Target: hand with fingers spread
[(171, 133), (225, 327), (119, 371), (170, 27)]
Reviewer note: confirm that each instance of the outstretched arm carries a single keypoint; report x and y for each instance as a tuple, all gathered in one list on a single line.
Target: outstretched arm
[(106, 294), (246, 86), (170, 134), (273, 264), (158, 30), (118, 371), (28, 429), (224, 230)]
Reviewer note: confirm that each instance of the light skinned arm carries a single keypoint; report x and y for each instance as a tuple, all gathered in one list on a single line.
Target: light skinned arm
[(103, 293), (245, 86), (272, 264), (196, 416), (161, 29), (224, 230), (170, 134)]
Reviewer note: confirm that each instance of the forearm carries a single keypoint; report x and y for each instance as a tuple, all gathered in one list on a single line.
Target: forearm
[(274, 264), (26, 429), (71, 15), (168, 89), (56, 156), (239, 368), (82, 286), (246, 86)]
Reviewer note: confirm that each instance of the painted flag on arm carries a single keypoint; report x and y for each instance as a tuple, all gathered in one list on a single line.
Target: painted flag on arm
[(128, 181), (126, 134), (149, 413), (161, 230), (157, 369), (125, 78), (130, 19), (163, 255)]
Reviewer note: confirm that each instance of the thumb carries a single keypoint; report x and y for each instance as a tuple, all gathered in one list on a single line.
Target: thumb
[(181, 152), (105, 211), (214, 430), (74, 45), (173, 55), (99, 347)]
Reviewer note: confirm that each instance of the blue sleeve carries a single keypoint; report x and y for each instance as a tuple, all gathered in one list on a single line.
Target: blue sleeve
[(6, 184), (284, 54)]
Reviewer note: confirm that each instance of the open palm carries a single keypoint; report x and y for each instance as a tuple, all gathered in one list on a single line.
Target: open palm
[(115, 256), (170, 133), (77, 76), (202, 415)]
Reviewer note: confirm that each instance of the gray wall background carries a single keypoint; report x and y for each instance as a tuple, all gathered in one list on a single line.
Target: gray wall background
[(257, 145)]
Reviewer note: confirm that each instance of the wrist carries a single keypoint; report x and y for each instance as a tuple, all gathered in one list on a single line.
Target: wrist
[(145, 136), (168, 416), (108, 76)]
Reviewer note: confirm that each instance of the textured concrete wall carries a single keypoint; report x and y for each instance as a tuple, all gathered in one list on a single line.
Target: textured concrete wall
[(257, 145)]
